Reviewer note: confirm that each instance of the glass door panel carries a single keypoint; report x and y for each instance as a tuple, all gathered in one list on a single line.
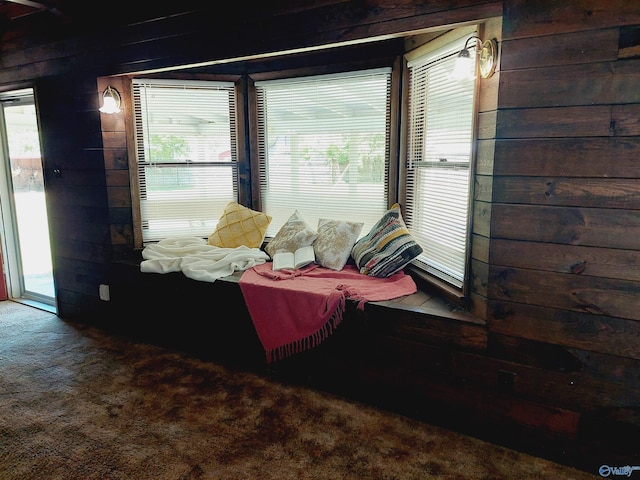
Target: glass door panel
[(25, 223)]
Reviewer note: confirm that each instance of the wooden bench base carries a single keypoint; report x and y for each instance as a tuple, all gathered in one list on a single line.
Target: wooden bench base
[(408, 355)]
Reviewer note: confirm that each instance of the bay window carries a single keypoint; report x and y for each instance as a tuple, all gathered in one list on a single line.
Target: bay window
[(324, 148)]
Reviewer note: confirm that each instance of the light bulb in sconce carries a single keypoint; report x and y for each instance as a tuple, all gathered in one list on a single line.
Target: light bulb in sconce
[(485, 53), (110, 101), (465, 67)]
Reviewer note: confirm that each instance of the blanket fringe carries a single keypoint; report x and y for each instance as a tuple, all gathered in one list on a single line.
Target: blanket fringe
[(352, 294), (313, 340)]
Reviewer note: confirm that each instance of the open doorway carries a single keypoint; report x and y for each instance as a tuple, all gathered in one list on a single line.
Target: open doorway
[(24, 229)]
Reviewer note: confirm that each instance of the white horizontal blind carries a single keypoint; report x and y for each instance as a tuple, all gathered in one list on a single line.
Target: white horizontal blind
[(441, 112), (323, 144), (187, 169)]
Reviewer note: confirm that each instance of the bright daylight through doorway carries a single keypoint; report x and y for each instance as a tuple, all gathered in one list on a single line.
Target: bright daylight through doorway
[(25, 229)]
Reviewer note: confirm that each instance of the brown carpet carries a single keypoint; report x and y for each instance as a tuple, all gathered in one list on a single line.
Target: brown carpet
[(77, 402)]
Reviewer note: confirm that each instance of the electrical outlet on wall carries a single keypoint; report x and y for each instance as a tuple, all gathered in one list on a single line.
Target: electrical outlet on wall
[(104, 292)]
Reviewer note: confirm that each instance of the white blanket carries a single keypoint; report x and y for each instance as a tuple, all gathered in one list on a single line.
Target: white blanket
[(198, 260)]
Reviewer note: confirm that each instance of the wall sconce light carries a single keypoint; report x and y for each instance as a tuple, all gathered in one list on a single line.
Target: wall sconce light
[(110, 100), (486, 53)]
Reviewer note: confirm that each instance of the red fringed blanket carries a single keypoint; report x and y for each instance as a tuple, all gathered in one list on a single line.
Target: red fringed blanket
[(294, 310)]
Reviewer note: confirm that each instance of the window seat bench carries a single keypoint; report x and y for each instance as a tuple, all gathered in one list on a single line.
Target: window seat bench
[(174, 299), (413, 345), (417, 355)]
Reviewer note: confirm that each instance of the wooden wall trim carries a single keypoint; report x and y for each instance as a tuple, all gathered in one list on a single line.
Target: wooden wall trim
[(527, 18)]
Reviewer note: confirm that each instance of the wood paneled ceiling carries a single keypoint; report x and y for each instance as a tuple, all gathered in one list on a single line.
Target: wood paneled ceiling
[(62, 18), (18, 17), (19, 10)]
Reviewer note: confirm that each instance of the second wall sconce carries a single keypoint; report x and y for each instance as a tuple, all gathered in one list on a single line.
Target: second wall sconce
[(110, 100), (487, 56)]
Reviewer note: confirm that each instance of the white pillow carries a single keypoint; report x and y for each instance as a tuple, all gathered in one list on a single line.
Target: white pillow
[(334, 243), (295, 233)]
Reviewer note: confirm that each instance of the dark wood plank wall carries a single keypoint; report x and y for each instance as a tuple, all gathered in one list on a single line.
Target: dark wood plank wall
[(76, 197), (560, 211), (556, 245)]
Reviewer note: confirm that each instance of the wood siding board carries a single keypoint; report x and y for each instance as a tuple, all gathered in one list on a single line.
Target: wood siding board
[(470, 407), (77, 306), (426, 328), (345, 15), (626, 119), (580, 260), (98, 253), (72, 196), (117, 178), (91, 232), (487, 125), (629, 44), (571, 85), (600, 296), (77, 213), (478, 305), (119, 196), (488, 94), (414, 356), (482, 218), (121, 234), (590, 121), (114, 139), (485, 155), (483, 188), (479, 277), (573, 391), (116, 159), (321, 16), (612, 193), (532, 353), (526, 18), (560, 50), (567, 225), (585, 331), (52, 57), (492, 406), (480, 248), (612, 368), (120, 216), (71, 176), (110, 123), (79, 266), (569, 157)]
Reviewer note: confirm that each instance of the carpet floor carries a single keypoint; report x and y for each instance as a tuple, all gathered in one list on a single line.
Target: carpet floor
[(77, 402)]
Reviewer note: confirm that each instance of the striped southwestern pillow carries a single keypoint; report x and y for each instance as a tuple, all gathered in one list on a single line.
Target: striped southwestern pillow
[(387, 248)]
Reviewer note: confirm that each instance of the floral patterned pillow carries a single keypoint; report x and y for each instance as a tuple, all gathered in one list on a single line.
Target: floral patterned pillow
[(295, 233), (334, 243)]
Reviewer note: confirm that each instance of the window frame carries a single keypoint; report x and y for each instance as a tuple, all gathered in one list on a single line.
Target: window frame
[(247, 150), (395, 89), (459, 295), (240, 147)]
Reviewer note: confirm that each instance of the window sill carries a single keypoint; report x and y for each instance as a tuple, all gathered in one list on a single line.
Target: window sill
[(437, 287), (429, 319)]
